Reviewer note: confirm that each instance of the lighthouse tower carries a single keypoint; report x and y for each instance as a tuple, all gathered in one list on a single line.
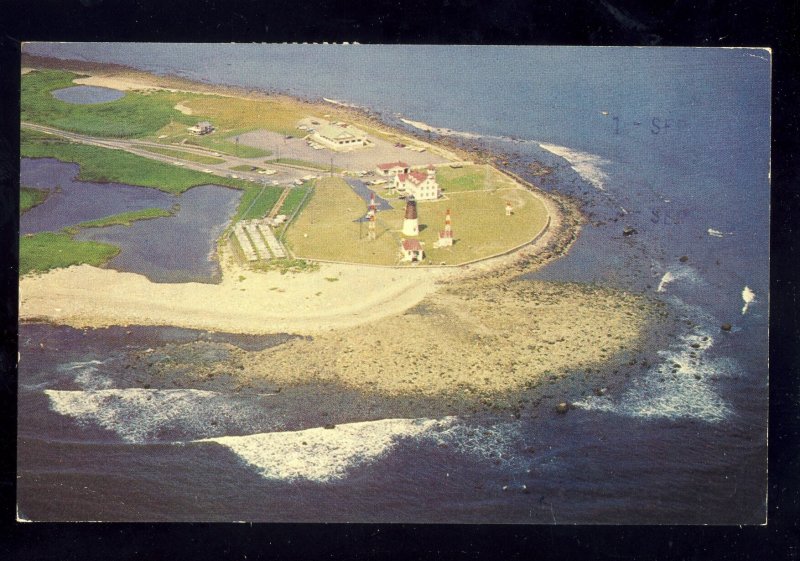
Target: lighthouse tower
[(446, 236), (410, 223), (371, 217)]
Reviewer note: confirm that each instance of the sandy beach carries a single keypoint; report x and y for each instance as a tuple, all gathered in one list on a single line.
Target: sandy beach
[(246, 301)]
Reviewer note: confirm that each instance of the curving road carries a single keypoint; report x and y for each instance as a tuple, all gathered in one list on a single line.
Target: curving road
[(286, 174)]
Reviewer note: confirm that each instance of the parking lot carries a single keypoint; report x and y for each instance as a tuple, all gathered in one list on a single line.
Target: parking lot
[(365, 158)]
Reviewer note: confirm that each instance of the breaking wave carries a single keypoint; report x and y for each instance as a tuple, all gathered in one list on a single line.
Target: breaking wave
[(325, 455), (142, 415), (88, 374), (443, 131), (679, 387), (685, 273), (588, 166), (320, 454)]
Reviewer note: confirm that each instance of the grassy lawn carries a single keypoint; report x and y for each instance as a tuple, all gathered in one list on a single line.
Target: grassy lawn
[(121, 219), (293, 199), (47, 250), (232, 115), (30, 197), (325, 229), (257, 201), (106, 165), (480, 225), (221, 140), (136, 114), (189, 156), (470, 178)]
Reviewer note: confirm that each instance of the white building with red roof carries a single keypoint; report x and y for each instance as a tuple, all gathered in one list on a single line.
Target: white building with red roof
[(421, 185), (411, 251), (392, 168)]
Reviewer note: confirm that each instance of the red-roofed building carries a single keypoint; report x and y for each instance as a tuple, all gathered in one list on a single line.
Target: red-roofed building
[(421, 185), (411, 250), (392, 168)]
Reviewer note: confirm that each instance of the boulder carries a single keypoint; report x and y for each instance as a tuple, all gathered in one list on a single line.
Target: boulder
[(726, 326), (562, 407)]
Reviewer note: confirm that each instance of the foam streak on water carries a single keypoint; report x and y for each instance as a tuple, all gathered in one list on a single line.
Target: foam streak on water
[(324, 455), (679, 387), (142, 415), (327, 455), (588, 166), (681, 272)]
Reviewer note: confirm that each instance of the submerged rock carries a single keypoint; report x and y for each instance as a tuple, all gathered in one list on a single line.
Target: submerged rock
[(726, 326)]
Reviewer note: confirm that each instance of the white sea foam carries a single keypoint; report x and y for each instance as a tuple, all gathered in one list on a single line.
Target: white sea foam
[(665, 280), (686, 393), (88, 374), (324, 455), (140, 415), (682, 272), (341, 103), (715, 233), (749, 297), (588, 166), (442, 131)]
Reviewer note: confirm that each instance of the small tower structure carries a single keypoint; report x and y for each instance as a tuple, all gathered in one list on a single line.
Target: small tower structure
[(371, 217), (446, 236), (410, 222), (509, 209)]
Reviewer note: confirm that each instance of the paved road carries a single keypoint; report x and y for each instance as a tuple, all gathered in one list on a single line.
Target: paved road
[(285, 175)]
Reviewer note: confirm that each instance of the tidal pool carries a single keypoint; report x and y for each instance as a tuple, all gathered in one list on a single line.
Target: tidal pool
[(87, 95)]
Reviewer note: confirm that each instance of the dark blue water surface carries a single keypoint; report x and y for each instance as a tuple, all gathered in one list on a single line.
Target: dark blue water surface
[(70, 201), (671, 143), (146, 247)]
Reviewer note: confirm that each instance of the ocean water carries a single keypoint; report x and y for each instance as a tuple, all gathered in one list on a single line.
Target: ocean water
[(669, 144)]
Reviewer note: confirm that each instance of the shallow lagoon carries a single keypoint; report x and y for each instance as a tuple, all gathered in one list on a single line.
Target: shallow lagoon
[(148, 247)]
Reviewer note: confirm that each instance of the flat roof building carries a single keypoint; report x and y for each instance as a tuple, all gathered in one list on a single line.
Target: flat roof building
[(340, 137)]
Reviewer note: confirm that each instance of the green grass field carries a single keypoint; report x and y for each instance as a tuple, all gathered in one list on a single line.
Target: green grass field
[(222, 141), (136, 114), (257, 201), (293, 199), (106, 165), (471, 178), (188, 156), (47, 250), (30, 197), (121, 219), (325, 229)]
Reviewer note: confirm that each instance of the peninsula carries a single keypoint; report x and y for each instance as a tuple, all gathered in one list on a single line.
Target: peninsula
[(395, 253)]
